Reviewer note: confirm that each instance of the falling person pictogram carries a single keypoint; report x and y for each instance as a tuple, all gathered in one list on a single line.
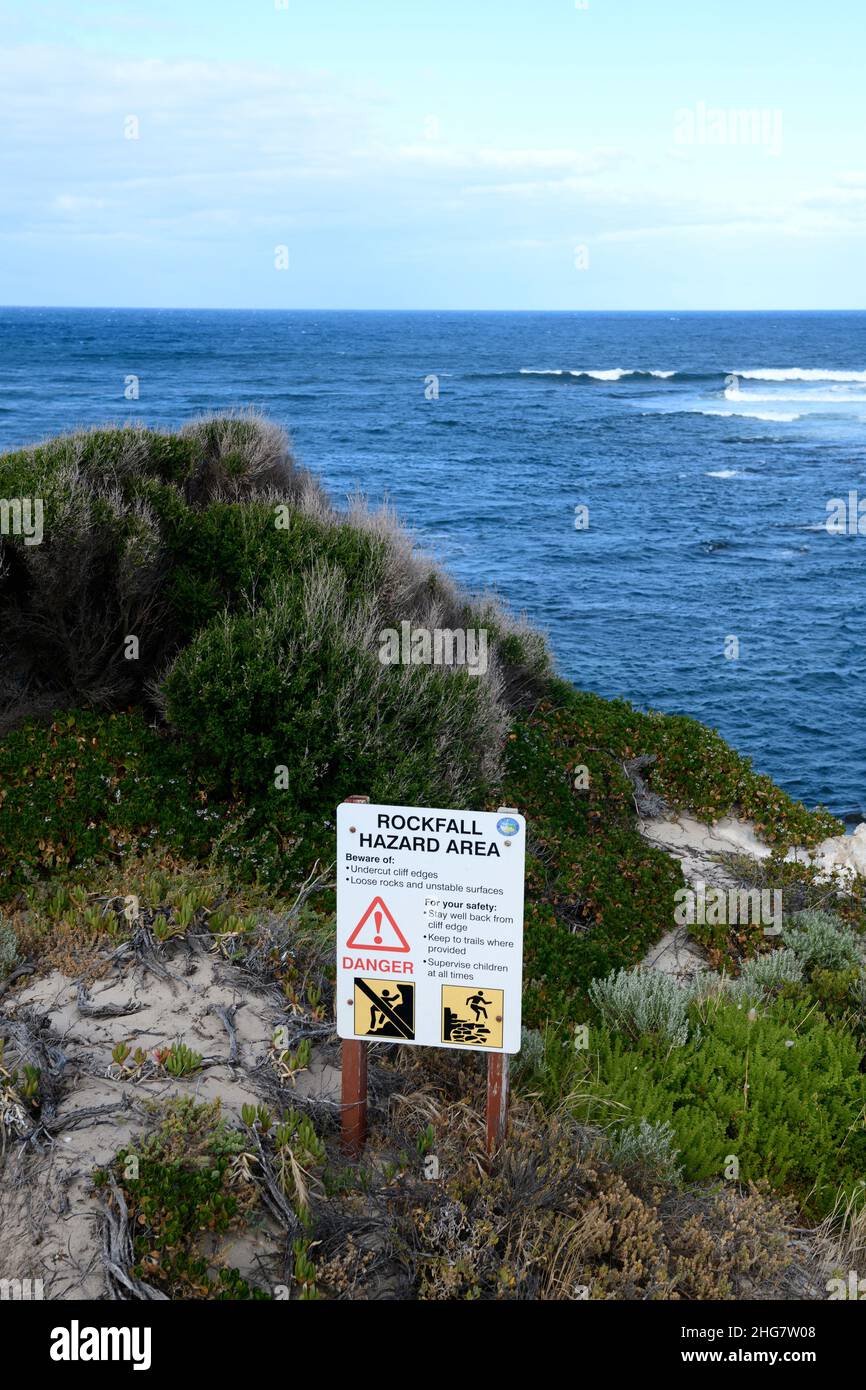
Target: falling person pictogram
[(384, 1010), (393, 998)]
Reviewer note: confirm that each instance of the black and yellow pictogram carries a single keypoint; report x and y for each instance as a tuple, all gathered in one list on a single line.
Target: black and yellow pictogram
[(471, 1015), (384, 1010)]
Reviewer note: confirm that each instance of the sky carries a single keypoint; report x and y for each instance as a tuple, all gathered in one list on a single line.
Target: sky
[(460, 154)]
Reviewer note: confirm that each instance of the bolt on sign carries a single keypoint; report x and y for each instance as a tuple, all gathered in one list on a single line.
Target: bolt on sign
[(430, 926)]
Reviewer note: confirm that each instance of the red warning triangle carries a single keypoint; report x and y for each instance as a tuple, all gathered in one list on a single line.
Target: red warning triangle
[(379, 934)]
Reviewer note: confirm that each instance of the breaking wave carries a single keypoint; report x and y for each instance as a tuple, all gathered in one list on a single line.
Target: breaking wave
[(799, 374), (601, 374)]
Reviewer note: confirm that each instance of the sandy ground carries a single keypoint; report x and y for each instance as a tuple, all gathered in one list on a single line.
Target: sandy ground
[(49, 1222)]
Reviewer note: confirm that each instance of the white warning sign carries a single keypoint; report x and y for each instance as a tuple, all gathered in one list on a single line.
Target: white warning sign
[(430, 926)]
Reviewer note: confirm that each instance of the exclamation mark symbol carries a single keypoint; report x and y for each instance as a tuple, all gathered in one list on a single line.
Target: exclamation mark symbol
[(377, 918)]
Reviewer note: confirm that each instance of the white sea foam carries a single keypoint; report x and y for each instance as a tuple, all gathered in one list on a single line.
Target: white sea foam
[(616, 373), (799, 374), (602, 374), (725, 473), (801, 397)]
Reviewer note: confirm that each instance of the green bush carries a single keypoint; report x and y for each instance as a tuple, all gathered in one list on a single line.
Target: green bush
[(183, 1187), (113, 499), (297, 685), (598, 895), (781, 1091), (694, 767), (842, 995), (222, 557)]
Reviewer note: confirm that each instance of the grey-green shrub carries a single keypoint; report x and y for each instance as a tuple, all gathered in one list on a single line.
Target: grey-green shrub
[(648, 1147), (766, 974), (530, 1058), (9, 957), (639, 1002), (822, 941)]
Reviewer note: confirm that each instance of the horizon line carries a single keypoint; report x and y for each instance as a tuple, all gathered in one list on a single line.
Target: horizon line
[(289, 309)]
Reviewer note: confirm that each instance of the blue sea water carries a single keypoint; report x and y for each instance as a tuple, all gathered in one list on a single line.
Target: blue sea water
[(707, 496)]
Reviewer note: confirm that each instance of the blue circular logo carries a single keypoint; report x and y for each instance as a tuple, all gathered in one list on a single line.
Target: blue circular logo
[(508, 826)]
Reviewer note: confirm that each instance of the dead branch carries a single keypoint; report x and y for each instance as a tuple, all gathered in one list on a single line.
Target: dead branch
[(91, 1010), (227, 1019), (117, 1254), (25, 969)]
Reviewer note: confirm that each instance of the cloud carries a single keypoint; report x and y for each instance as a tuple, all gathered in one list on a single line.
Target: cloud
[(256, 153), (517, 161)]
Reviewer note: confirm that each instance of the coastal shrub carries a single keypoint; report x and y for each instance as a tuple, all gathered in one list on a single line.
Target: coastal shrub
[(767, 974), (530, 1057), (154, 541), (781, 1090), (555, 1221), (9, 957), (642, 1002), (60, 920), (842, 995), (69, 603), (648, 1148), (225, 557), (414, 588), (821, 941), (297, 684), (802, 888), (598, 895)]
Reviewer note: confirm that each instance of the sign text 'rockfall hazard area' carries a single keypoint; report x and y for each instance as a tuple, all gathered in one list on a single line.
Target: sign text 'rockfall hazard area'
[(430, 926)]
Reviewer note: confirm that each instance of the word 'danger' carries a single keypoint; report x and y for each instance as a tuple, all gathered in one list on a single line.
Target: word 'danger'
[(430, 926)]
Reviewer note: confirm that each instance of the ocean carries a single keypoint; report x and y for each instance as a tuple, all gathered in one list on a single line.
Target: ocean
[(704, 446)]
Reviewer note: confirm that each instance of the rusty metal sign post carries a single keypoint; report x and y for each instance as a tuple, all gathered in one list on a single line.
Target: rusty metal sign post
[(353, 1108), (429, 943)]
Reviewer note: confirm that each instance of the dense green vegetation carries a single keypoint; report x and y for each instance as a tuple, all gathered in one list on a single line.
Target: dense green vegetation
[(781, 1090)]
